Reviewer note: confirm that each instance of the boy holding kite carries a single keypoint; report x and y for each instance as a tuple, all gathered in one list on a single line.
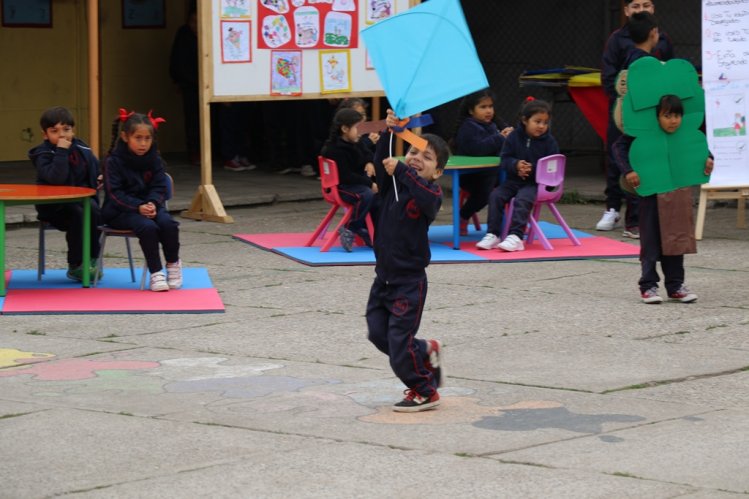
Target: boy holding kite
[(401, 247)]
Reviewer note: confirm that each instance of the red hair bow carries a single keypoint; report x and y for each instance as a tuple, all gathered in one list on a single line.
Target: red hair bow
[(155, 121), (124, 115)]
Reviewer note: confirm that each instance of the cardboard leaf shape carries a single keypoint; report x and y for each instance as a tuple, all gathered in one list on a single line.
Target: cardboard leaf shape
[(665, 162), (425, 57)]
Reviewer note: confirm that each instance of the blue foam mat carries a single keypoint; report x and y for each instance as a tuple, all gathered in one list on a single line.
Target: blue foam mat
[(114, 278), (444, 233)]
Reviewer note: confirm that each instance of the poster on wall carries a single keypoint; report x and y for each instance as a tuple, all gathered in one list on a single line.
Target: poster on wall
[(377, 10), (143, 14), (235, 9), (286, 72), (290, 24), (335, 71), (725, 73), (235, 42), (27, 13)]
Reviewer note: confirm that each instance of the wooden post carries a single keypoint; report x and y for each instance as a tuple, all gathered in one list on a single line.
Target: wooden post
[(94, 135), (206, 204)]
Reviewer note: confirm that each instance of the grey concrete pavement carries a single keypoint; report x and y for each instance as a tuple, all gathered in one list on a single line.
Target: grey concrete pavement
[(560, 382)]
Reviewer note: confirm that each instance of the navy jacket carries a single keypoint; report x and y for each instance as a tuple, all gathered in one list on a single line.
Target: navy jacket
[(350, 157), (519, 146), (131, 180), (401, 246), (616, 51), (75, 166), (476, 138)]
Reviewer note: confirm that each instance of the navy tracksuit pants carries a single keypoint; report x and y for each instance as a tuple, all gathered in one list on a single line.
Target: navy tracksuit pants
[(525, 196), (69, 219), (162, 229), (393, 318), (651, 252), (361, 198)]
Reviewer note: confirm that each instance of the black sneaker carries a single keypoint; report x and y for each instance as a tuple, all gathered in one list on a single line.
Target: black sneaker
[(434, 363), (416, 403), (347, 238)]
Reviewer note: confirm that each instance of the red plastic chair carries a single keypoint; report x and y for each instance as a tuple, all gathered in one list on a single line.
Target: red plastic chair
[(550, 180), (329, 182), (464, 195)]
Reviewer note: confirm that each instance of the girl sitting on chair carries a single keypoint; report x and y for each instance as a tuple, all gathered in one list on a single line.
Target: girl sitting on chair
[(136, 188)]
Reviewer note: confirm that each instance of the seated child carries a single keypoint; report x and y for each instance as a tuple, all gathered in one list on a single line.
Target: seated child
[(662, 237), (478, 134), (136, 188), (355, 166), (63, 159), (528, 142)]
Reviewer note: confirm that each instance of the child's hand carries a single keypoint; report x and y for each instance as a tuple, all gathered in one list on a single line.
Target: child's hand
[(709, 163), (374, 137), (506, 131), (389, 164), (369, 169), (148, 210), (524, 169), (633, 178), (64, 143), (391, 119), (375, 189)]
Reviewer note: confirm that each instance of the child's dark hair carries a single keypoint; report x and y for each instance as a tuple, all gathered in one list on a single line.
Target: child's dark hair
[(640, 25), (441, 149), (533, 106), (128, 125), (343, 117), (54, 115), (350, 102), (466, 106), (669, 104)]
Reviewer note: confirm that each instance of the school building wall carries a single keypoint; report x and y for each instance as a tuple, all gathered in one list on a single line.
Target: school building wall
[(48, 66)]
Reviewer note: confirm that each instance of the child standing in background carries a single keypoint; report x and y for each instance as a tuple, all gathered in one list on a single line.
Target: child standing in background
[(354, 170), (63, 159), (402, 254), (529, 142), (478, 133), (136, 188), (666, 220)]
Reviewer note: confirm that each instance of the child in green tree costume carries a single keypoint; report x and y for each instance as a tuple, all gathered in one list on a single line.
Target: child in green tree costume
[(662, 154)]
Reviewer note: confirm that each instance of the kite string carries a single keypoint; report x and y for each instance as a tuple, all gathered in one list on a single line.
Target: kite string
[(395, 186)]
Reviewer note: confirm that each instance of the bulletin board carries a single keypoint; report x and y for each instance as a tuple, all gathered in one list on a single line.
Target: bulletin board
[(303, 49), (312, 48)]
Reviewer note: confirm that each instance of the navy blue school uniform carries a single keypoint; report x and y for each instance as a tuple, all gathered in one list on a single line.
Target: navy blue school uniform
[(401, 247), (74, 166), (651, 247), (518, 146), (355, 187), (130, 181), (617, 55), (477, 138)]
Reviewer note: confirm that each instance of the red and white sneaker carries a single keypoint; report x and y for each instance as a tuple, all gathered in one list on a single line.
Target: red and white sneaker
[(683, 295), (416, 403), (651, 296)]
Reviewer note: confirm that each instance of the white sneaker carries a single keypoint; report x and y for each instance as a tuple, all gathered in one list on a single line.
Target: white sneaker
[(174, 274), (609, 220), (490, 241), (308, 171), (511, 243), (158, 282)]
